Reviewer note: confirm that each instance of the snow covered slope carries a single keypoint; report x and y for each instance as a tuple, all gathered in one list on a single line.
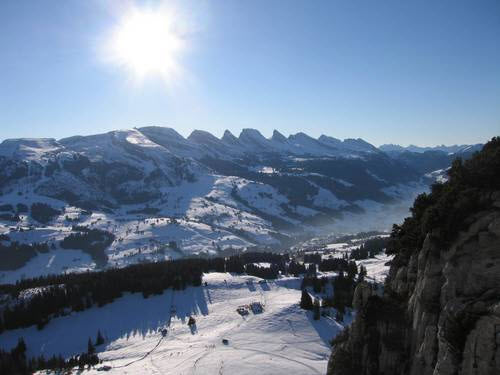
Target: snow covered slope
[(283, 339), (164, 196)]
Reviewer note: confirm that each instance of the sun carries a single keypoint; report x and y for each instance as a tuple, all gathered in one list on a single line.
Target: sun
[(147, 43)]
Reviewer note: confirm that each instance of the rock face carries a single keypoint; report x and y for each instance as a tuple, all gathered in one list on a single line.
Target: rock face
[(440, 312)]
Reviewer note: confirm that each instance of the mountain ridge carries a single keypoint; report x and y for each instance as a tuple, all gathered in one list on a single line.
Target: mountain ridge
[(205, 194)]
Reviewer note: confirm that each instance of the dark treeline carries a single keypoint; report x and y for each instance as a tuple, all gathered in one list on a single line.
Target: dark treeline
[(443, 211), (296, 269), (245, 263), (15, 255), (43, 213), (312, 258), (77, 292), (261, 257), (92, 241), (330, 264), (62, 294), (338, 264), (370, 248), (343, 286), (271, 272), (15, 362), (9, 217)]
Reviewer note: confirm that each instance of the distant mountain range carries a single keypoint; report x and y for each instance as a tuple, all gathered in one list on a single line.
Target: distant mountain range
[(391, 148), (202, 194)]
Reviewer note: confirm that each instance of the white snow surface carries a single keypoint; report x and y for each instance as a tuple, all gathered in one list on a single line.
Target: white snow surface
[(376, 268), (200, 215), (282, 340)]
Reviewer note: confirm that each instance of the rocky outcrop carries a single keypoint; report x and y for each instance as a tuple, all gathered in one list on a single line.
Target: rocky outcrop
[(440, 312)]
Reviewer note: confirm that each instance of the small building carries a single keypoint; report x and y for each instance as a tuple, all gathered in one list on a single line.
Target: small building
[(242, 310), (256, 307)]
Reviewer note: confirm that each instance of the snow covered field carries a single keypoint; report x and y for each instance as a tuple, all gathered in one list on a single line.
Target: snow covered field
[(376, 268), (283, 339)]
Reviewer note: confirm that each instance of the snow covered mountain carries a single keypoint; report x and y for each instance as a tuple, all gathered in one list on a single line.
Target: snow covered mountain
[(392, 148), (150, 193)]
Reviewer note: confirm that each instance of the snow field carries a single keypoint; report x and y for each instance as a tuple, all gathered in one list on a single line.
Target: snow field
[(282, 340)]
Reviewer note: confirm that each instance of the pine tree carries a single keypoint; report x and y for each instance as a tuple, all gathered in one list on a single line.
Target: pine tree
[(362, 273), (316, 285), (306, 300), (317, 309), (21, 345), (90, 347), (339, 317), (99, 339)]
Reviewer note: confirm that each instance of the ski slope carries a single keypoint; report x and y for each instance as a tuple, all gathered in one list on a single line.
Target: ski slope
[(283, 339)]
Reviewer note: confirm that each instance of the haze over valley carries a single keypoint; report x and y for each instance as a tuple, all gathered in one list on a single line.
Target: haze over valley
[(155, 195)]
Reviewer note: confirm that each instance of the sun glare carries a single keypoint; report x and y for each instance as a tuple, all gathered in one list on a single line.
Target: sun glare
[(147, 43)]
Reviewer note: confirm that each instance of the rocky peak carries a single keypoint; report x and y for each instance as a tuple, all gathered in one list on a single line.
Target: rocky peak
[(278, 137), (253, 137), (440, 311), (330, 141), (230, 138), (201, 136)]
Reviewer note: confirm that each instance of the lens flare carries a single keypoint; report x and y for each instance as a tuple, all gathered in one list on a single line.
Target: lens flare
[(147, 43)]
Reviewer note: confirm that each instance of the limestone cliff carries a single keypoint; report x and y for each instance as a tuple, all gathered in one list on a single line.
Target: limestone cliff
[(440, 312)]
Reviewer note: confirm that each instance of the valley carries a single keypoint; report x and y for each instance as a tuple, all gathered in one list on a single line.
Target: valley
[(151, 335), (156, 195)]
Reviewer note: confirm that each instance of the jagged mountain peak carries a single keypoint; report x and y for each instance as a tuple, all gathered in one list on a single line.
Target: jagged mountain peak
[(209, 143), (202, 135), (278, 137), (301, 136), (229, 137), (249, 132), (253, 138)]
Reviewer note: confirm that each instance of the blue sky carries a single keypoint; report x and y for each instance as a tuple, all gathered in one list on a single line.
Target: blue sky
[(421, 72)]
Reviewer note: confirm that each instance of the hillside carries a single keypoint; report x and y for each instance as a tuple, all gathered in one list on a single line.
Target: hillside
[(149, 194), (440, 311), (268, 341), (247, 310)]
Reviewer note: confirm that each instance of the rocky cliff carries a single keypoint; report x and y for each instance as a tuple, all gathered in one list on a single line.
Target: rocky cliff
[(440, 311)]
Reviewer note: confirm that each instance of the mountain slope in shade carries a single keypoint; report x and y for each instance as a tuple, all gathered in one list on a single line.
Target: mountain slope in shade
[(439, 310), (164, 196)]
